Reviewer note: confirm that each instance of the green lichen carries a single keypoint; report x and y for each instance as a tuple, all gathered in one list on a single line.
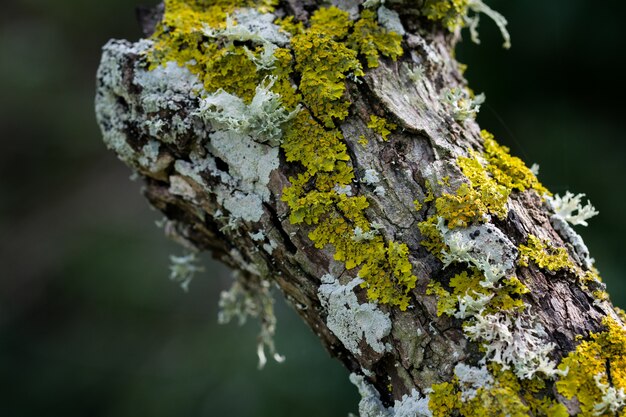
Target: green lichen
[(544, 255), (596, 368)]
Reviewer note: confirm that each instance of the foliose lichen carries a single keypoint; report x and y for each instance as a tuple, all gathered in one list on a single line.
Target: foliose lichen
[(350, 320)]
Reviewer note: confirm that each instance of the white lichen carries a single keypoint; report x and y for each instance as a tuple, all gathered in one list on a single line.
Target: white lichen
[(478, 6), (351, 321), (370, 177), (251, 298), (250, 25), (380, 191), (184, 268), (570, 209), (416, 73), (470, 305), (413, 405), (166, 87), (612, 399), (370, 405), (343, 189), (249, 163), (482, 246), (515, 341), (461, 104), (243, 198), (360, 235), (258, 236), (265, 60), (471, 379), (270, 247)]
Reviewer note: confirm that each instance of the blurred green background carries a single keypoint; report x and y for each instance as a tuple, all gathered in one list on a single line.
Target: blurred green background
[(90, 325)]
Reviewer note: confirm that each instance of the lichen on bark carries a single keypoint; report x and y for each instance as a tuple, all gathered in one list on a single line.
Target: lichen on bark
[(331, 149)]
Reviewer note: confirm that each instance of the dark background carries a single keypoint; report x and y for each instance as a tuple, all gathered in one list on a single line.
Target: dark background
[(90, 325)]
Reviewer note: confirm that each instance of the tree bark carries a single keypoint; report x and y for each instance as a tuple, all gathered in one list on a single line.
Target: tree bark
[(152, 118)]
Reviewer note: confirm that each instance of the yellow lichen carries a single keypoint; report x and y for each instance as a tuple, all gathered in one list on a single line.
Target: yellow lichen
[(509, 171), (451, 13), (323, 61), (381, 126), (431, 238), (312, 71), (544, 255), (596, 365), (506, 297), (504, 395), (501, 398), (371, 39)]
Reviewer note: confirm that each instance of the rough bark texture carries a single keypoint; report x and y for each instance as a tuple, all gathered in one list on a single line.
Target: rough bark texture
[(422, 347)]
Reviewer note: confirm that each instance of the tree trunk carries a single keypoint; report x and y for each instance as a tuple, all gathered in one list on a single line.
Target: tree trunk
[(336, 155)]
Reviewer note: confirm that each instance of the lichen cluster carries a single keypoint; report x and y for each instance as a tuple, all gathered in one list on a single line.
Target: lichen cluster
[(281, 83), (596, 373), (455, 15), (308, 67)]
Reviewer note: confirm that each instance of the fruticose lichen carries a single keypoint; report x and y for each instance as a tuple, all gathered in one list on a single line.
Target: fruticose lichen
[(462, 104), (251, 298), (184, 268), (570, 209), (454, 15)]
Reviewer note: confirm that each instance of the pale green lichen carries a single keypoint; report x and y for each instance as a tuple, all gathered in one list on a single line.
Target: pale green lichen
[(251, 298), (350, 320), (184, 268), (462, 103)]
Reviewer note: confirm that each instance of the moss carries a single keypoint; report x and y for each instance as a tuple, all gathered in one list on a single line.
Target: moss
[(596, 365), (544, 255), (381, 126)]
